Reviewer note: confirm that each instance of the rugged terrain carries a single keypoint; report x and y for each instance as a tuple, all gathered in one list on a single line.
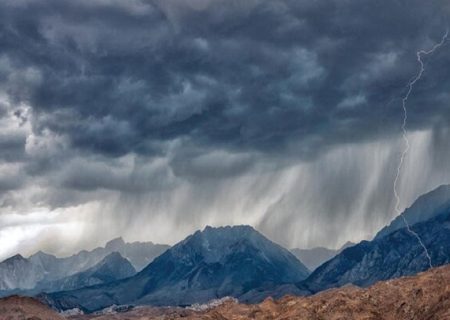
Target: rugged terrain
[(424, 296), (216, 262), (394, 255)]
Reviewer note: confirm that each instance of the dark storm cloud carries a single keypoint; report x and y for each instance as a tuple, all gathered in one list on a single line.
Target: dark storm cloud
[(149, 116), (10, 181), (85, 175), (12, 146), (118, 77)]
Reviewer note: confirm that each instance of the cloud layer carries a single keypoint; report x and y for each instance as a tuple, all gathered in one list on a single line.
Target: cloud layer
[(154, 116)]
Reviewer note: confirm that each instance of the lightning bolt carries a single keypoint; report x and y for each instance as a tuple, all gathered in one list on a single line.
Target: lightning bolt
[(405, 151)]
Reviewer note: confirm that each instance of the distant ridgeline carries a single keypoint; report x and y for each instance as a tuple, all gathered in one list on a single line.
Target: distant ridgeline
[(233, 261), (45, 272), (216, 262)]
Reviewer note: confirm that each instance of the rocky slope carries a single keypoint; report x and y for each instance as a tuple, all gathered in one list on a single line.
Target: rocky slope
[(424, 296), (397, 254), (213, 263), (425, 207)]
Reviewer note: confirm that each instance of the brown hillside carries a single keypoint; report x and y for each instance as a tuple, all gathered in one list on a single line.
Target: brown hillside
[(424, 296), (24, 308)]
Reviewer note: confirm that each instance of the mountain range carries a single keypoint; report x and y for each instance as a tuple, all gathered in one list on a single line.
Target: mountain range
[(240, 262), (233, 261), (395, 251), (113, 267), (216, 262), (397, 254), (19, 273)]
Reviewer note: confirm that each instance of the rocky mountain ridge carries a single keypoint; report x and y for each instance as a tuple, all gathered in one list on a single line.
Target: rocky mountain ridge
[(19, 273), (216, 262)]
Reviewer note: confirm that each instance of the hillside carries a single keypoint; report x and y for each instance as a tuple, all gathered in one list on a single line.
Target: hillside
[(424, 296), (394, 255), (20, 308)]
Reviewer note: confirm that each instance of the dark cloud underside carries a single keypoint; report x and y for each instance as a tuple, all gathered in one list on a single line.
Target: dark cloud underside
[(153, 116), (122, 77)]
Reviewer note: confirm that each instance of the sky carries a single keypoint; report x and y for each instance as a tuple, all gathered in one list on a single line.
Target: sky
[(150, 119)]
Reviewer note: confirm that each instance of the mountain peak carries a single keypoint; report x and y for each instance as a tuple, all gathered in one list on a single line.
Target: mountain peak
[(41, 254), (346, 245), (112, 258), (242, 227), (237, 231), (17, 257), (117, 263), (216, 262), (220, 241), (115, 244)]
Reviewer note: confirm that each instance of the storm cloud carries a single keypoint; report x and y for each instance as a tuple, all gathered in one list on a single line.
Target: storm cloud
[(169, 112)]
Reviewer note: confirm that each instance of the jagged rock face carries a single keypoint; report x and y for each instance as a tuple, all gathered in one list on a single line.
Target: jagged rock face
[(397, 254), (112, 268), (217, 262)]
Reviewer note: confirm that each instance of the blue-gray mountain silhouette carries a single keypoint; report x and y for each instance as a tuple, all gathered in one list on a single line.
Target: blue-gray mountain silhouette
[(213, 263), (397, 253), (112, 268)]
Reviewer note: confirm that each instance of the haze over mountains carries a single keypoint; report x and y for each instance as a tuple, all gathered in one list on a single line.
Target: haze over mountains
[(216, 262), (18, 272), (113, 267), (314, 257), (240, 262), (230, 261), (272, 144)]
